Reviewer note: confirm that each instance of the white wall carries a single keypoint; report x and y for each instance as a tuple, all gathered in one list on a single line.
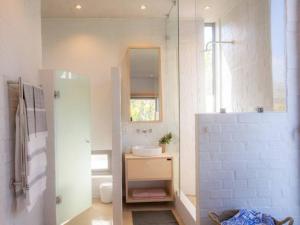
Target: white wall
[(189, 101), (91, 47), (246, 66), (252, 160), (20, 55)]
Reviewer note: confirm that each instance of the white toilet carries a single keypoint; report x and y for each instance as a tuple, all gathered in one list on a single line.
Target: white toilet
[(106, 192)]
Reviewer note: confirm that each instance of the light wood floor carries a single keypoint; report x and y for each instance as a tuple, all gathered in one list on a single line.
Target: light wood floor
[(98, 214), (101, 214)]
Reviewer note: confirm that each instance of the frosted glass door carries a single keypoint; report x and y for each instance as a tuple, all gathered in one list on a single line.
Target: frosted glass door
[(72, 145)]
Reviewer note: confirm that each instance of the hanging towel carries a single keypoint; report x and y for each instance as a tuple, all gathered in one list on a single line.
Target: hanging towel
[(30, 153), (21, 140), (37, 159)]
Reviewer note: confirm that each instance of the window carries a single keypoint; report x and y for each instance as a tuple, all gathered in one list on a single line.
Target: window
[(210, 66), (101, 162), (144, 109)]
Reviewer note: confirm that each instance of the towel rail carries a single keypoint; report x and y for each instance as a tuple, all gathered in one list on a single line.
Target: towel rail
[(25, 103), (11, 82)]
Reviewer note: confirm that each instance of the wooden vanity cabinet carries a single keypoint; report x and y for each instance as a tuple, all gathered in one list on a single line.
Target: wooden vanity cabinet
[(152, 171)]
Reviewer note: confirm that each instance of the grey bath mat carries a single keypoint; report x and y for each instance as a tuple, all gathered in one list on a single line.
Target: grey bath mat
[(164, 217)]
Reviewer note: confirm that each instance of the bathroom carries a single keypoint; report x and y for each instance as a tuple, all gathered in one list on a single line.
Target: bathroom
[(234, 139)]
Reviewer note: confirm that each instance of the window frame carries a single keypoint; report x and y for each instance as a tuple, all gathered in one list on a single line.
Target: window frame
[(214, 63), (108, 171)]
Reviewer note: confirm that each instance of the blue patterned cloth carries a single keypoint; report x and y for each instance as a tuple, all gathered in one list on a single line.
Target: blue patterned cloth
[(249, 217)]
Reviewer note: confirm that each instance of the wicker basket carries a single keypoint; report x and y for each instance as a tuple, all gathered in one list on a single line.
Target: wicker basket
[(217, 219)]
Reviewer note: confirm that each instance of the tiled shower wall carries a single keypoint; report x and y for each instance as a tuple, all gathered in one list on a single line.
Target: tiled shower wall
[(252, 160), (242, 59), (20, 55), (247, 161)]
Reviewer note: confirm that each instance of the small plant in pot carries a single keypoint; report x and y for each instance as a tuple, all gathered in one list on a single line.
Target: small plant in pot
[(165, 140)]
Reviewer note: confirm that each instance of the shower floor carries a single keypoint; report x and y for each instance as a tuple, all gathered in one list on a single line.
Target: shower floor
[(192, 198)]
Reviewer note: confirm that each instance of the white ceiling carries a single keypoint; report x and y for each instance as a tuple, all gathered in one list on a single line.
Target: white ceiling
[(217, 8), (131, 8), (105, 8)]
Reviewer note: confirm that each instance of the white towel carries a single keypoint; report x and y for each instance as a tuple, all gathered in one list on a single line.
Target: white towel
[(21, 151), (30, 152), (37, 166), (35, 192), (37, 141)]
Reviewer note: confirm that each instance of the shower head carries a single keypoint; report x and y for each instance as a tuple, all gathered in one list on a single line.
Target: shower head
[(217, 42)]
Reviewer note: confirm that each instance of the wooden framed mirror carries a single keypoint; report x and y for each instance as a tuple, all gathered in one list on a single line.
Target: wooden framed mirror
[(145, 89)]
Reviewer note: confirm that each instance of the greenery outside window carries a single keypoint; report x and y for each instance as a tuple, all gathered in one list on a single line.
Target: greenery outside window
[(144, 109)]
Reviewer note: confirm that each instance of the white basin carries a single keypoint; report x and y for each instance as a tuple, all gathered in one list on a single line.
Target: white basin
[(146, 150)]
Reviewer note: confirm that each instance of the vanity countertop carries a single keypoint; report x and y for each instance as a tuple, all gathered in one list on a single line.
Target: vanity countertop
[(163, 155)]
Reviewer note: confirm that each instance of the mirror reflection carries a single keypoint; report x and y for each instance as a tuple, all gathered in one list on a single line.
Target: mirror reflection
[(145, 96)]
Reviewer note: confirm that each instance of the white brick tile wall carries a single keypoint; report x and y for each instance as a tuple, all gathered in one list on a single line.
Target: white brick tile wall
[(231, 184), (250, 118), (233, 146), (245, 173), (211, 165), (260, 202), (220, 194), (212, 184), (220, 137), (233, 203), (224, 119), (258, 165), (210, 147), (244, 136), (214, 128), (220, 174), (259, 183), (213, 203), (231, 165), (245, 193), (268, 143), (247, 164)]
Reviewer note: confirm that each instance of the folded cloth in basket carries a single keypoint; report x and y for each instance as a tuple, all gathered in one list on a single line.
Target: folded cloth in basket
[(249, 217)]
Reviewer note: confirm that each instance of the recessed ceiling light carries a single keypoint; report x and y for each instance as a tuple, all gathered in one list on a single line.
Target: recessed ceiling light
[(207, 7), (143, 7), (78, 7)]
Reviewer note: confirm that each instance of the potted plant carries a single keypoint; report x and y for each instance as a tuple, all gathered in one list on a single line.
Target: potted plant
[(165, 140)]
